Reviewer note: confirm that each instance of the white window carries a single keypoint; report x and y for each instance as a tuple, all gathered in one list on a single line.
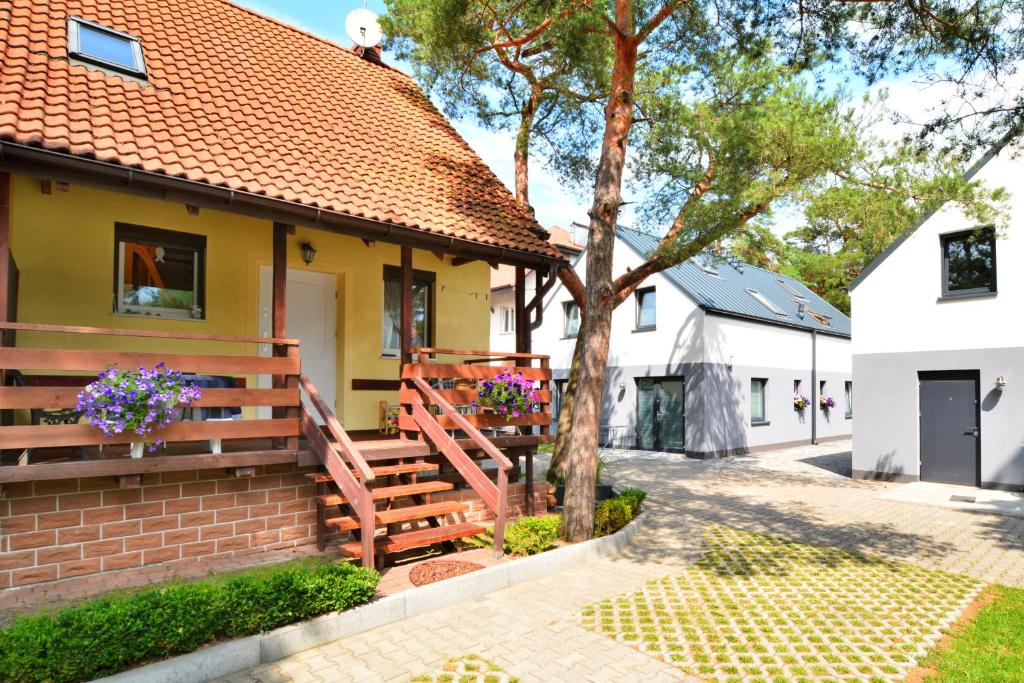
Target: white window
[(159, 272), (849, 399), (508, 319), (757, 400), (96, 44), (646, 309), (572, 319)]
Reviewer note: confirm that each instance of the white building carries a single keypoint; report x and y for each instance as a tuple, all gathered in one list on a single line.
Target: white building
[(706, 357), (939, 348)]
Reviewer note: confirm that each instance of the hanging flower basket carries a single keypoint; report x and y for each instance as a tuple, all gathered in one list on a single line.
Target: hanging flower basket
[(826, 402), (507, 394), (139, 402), (800, 402)]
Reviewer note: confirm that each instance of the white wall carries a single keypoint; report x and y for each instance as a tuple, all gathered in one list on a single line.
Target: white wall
[(896, 308), (505, 341)]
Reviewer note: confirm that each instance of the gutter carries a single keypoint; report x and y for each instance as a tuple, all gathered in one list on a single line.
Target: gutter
[(814, 387), (26, 160)]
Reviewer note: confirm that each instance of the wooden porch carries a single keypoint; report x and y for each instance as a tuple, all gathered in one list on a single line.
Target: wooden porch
[(377, 492)]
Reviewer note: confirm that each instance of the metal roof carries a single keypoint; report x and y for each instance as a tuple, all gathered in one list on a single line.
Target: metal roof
[(727, 292)]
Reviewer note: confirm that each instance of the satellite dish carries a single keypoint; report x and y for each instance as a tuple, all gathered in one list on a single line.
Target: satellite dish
[(362, 27)]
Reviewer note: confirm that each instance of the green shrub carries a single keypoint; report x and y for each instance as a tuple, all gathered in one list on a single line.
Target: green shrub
[(635, 497), (106, 635), (612, 515), (532, 535)]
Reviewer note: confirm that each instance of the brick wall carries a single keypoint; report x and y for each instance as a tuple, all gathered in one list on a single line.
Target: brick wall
[(52, 530), (71, 527)]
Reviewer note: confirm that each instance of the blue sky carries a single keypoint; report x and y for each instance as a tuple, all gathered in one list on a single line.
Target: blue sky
[(326, 18)]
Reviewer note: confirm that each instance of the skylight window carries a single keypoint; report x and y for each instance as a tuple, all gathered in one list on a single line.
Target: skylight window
[(105, 47), (764, 301), (791, 289)]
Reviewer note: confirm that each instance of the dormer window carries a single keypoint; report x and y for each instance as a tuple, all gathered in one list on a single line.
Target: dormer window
[(105, 47)]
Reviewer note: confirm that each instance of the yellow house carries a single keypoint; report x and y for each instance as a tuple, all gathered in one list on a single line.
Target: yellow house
[(195, 180)]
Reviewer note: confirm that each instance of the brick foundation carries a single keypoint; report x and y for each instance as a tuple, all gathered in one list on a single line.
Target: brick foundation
[(56, 530)]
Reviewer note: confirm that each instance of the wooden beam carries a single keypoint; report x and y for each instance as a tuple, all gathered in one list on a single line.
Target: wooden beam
[(280, 279), (461, 261), (370, 244), (522, 317), (439, 255), (406, 305), (6, 314)]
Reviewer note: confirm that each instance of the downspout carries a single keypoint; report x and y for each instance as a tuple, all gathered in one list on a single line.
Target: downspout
[(814, 387)]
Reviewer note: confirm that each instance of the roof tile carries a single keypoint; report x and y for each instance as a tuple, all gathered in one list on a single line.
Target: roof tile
[(240, 100)]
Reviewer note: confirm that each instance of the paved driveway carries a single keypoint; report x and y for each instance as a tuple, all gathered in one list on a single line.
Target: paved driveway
[(532, 630)]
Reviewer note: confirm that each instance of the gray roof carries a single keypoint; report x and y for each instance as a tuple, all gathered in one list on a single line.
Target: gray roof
[(727, 292)]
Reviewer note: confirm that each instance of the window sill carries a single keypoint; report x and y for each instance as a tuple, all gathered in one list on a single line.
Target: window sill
[(151, 316), (649, 328), (760, 423), (849, 416), (568, 338), (960, 296)]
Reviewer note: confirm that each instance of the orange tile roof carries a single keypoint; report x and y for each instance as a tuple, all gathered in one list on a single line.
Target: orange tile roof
[(238, 100)]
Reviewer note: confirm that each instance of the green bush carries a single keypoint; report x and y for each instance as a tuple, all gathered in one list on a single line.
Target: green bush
[(612, 515), (532, 535), (635, 497), (106, 635)]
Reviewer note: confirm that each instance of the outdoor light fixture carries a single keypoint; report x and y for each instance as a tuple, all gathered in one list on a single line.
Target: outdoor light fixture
[(308, 253), (1000, 382)]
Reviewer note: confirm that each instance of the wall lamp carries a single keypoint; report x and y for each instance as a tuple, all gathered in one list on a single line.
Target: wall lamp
[(1000, 382), (308, 253)]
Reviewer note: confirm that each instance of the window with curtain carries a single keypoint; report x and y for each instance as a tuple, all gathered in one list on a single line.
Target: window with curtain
[(757, 400), (572, 319), (160, 273), (422, 311), (646, 309)]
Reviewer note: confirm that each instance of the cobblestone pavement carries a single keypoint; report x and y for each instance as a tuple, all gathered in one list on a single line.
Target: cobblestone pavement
[(531, 630)]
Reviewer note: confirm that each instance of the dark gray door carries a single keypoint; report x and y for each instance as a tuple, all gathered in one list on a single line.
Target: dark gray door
[(660, 414), (950, 427)]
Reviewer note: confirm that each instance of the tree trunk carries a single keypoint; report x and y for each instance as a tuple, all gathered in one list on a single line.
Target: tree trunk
[(522, 152), (559, 468), (595, 331)]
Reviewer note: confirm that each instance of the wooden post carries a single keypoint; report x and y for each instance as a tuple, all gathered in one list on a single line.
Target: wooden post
[(522, 318), (406, 305), (280, 317), (6, 315)]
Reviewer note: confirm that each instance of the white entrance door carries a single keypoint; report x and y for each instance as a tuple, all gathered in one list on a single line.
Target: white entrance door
[(311, 302)]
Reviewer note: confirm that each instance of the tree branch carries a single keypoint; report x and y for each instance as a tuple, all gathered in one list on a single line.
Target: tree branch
[(574, 285), (662, 14)]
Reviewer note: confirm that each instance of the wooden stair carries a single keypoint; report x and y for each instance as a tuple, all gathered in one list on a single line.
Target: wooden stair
[(410, 513), (382, 471), (392, 492), (414, 539)]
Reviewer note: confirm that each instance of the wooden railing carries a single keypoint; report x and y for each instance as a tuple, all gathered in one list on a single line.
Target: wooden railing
[(417, 421), (70, 369), (359, 492)]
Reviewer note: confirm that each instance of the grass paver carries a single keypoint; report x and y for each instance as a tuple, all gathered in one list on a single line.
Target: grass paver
[(757, 607), (467, 669)]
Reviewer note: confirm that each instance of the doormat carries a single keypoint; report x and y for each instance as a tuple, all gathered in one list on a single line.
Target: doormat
[(963, 499)]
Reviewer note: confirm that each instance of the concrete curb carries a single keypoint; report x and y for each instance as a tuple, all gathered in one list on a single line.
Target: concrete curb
[(230, 657)]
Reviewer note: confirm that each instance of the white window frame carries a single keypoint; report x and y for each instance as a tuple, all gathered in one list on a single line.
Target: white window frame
[(566, 307), (763, 419), (640, 294), (507, 315)]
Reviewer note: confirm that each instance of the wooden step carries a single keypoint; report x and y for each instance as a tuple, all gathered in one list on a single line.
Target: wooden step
[(405, 514), (414, 539), (386, 492), (382, 471)]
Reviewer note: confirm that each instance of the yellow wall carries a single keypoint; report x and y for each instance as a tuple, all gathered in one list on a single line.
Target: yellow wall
[(63, 244)]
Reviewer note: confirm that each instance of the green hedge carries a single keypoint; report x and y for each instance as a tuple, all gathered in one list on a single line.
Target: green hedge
[(617, 512), (111, 634), (532, 535)]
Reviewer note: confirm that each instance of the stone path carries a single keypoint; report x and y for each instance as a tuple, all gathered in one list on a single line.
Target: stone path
[(532, 630)]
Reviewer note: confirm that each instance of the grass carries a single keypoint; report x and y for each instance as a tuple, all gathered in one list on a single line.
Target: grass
[(467, 669), (988, 648)]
